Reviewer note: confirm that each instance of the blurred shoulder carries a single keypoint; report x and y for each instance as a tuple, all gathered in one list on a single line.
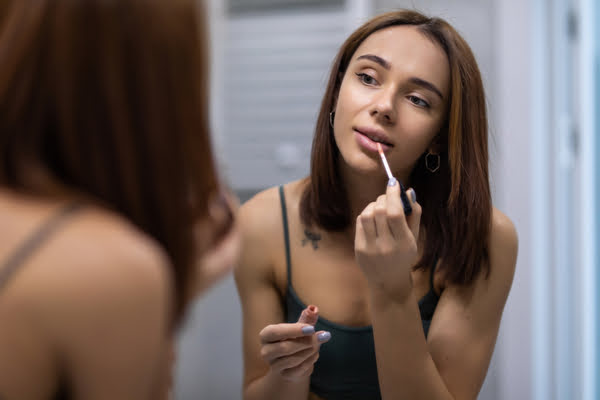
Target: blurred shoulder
[(112, 244), (100, 262), (95, 278)]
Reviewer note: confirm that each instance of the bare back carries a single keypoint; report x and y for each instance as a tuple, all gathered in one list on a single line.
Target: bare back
[(87, 308)]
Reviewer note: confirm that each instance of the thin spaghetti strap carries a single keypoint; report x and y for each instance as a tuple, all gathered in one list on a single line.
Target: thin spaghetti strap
[(286, 235), (34, 241)]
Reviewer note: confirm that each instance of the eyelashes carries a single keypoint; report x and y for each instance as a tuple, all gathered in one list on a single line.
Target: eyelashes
[(366, 78), (418, 101), (370, 81)]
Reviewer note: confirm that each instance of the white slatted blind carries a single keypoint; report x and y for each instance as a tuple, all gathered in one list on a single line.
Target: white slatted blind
[(275, 72)]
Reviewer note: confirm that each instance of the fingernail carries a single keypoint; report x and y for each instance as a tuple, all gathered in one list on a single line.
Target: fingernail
[(308, 330), (392, 181), (413, 195), (323, 336)]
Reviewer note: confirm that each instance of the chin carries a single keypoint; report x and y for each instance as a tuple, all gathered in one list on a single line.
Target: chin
[(363, 165)]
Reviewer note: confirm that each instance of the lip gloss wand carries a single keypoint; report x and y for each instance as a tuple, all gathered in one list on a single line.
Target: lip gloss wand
[(403, 196)]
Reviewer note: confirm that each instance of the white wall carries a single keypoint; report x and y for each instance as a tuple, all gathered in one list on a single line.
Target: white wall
[(514, 123)]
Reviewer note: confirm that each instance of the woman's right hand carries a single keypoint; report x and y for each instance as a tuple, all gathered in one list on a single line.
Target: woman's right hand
[(291, 350)]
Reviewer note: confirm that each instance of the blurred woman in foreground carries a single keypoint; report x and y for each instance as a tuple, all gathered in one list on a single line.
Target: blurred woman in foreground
[(112, 214)]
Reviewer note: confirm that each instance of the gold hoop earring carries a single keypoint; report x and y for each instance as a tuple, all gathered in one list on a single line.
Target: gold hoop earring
[(428, 162), (331, 117)]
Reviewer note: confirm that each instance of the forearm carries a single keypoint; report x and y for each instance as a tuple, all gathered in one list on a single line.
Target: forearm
[(405, 367), (273, 387)]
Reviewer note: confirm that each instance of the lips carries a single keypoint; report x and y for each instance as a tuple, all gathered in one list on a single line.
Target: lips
[(375, 135)]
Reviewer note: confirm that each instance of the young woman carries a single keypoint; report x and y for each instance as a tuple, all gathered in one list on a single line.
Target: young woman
[(410, 303), (111, 214)]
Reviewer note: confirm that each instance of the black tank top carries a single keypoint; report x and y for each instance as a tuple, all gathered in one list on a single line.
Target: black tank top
[(22, 253), (346, 368)]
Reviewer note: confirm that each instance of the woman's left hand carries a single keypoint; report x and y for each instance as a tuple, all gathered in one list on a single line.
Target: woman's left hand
[(385, 243), (219, 242)]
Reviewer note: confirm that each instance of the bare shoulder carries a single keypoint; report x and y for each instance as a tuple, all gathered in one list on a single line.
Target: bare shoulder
[(96, 296), (503, 242), (98, 265), (110, 248), (263, 211), (502, 252), (260, 213), (261, 217), (261, 225)]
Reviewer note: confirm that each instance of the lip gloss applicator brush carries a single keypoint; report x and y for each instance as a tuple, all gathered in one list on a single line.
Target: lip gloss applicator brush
[(403, 196)]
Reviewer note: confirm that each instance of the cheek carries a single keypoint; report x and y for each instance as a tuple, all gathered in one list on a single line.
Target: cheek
[(417, 125), (351, 98), (417, 131), (420, 122)]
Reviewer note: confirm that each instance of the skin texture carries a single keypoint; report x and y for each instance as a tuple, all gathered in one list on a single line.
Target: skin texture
[(364, 275), (99, 316), (385, 99), (92, 305)]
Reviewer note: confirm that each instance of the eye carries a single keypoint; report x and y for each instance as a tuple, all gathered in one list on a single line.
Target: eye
[(418, 101), (366, 78)]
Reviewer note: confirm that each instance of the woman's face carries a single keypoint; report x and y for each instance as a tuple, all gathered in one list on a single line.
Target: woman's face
[(394, 91)]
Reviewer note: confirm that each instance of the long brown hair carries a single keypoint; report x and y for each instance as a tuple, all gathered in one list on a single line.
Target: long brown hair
[(109, 98), (456, 199)]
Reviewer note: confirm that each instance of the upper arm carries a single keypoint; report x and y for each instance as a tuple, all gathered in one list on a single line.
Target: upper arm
[(466, 322), (112, 321), (261, 230)]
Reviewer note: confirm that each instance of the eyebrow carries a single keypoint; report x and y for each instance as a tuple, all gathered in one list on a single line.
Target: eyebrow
[(427, 85), (385, 64), (417, 81)]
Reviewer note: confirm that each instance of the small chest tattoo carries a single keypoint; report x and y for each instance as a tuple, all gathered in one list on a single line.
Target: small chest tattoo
[(311, 237)]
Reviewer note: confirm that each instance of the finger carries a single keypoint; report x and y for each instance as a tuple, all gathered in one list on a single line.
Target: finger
[(367, 219), (395, 211), (277, 332), (381, 223), (414, 220), (321, 337), (405, 200), (302, 370), (309, 315), (360, 237), (293, 360), (275, 350)]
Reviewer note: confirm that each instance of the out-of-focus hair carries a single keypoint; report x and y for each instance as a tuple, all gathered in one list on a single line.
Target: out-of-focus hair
[(109, 99)]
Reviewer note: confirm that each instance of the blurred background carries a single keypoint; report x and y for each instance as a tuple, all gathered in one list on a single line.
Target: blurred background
[(540, 64)]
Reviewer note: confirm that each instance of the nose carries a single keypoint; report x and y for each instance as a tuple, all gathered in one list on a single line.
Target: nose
[(383, 108)]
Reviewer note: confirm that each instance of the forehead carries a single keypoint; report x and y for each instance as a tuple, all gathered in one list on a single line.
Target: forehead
[(408, 51)]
